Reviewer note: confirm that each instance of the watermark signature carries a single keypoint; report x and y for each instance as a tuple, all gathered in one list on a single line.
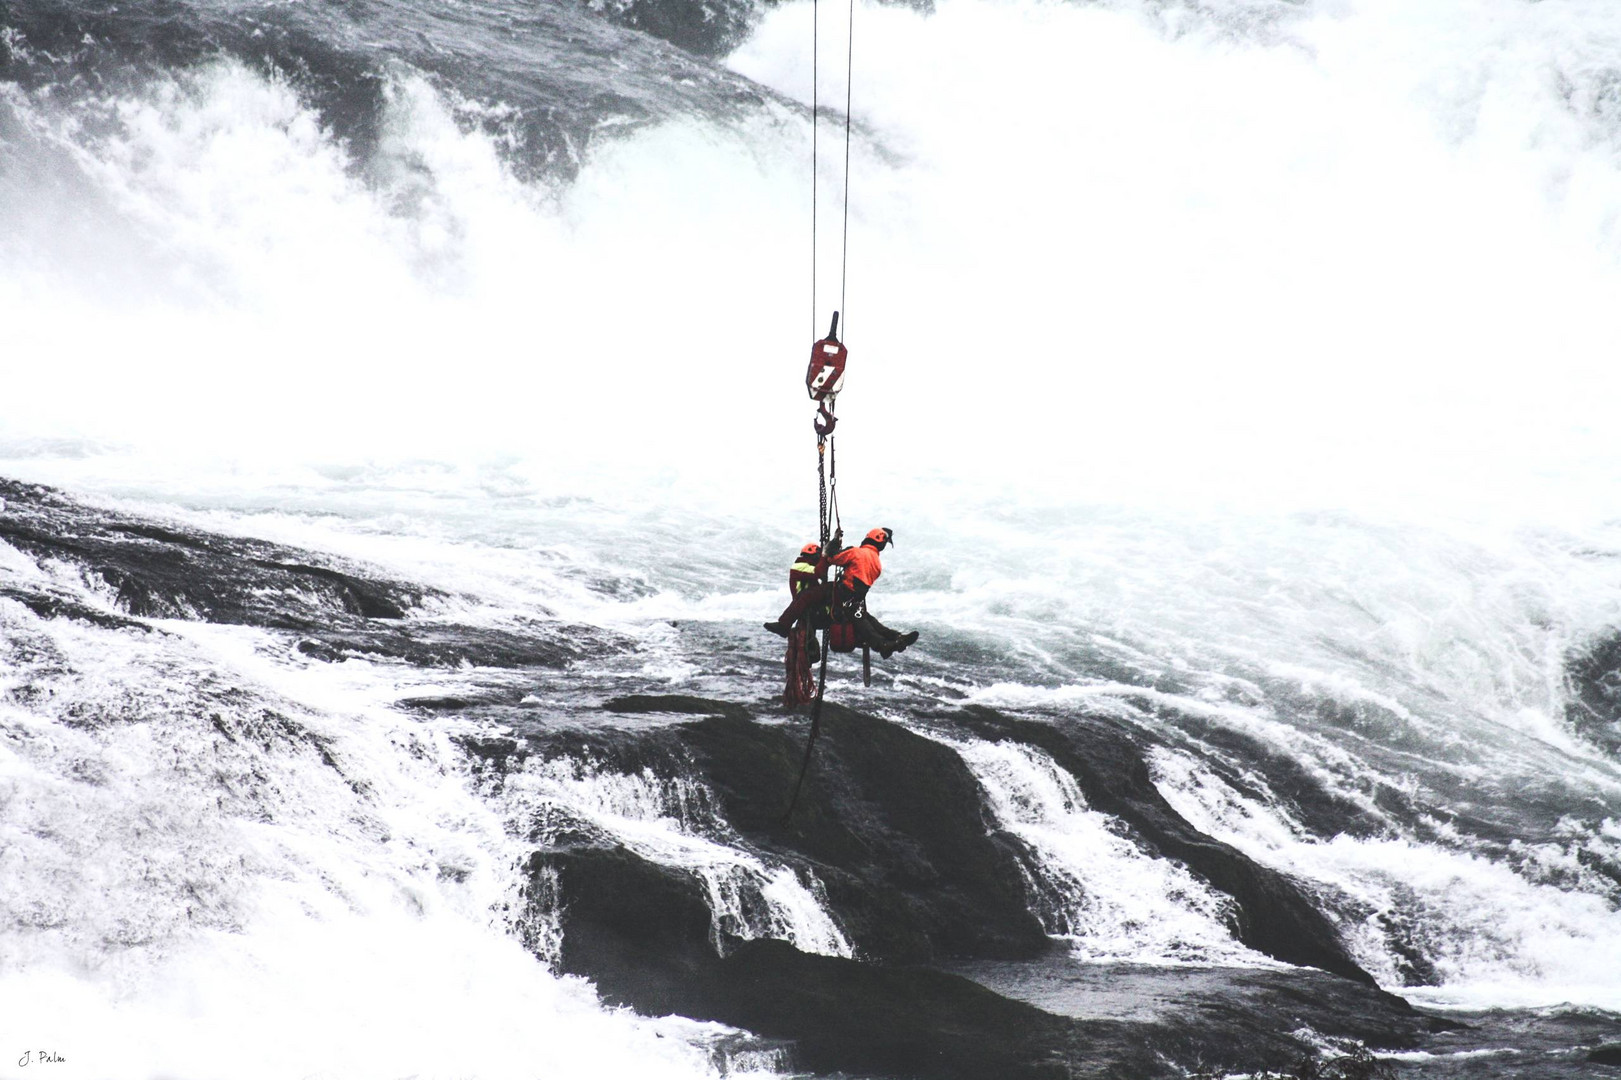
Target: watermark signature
[(44, 1057)]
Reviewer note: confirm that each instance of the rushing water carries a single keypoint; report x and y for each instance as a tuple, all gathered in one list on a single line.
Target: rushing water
[(1239, 370)]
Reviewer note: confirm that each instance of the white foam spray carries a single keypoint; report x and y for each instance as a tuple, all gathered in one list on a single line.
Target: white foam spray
[(1119, 903), (1495, 935), (1253, 355), (214, 866), (672, 820)]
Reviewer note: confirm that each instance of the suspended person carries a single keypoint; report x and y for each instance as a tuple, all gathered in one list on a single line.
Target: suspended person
[(846, 598), (805, 573)]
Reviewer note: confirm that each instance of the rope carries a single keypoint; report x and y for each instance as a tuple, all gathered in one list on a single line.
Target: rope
[(827, 472), (816, 40), (833, 485), (849, 98), (815, 729), (849, 83)]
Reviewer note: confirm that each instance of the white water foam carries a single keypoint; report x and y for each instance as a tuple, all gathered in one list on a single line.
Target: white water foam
[(1185, 286), (1493, 935), (1137, 290), (1119, 903), (672, 821), (201, 876)]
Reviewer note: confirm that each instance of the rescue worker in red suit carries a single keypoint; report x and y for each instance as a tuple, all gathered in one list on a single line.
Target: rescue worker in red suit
[(804, 574), (845, 598)]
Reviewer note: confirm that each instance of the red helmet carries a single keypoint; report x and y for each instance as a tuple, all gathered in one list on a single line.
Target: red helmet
[(811, 549), (881, 536)]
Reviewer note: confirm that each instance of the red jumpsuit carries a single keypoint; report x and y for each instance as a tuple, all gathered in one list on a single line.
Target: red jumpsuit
[(803, 577), (862, 567)]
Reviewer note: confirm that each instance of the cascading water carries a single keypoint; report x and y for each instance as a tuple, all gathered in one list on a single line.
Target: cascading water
[(673, 822), (184, 843), (1113, 901), (1534, 928), (1240, 372)]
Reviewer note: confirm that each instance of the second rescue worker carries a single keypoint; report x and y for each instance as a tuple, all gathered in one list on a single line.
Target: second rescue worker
[(862, 567)]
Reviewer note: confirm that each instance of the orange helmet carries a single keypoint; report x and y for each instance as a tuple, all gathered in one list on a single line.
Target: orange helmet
[(811, 549), (881, 536)]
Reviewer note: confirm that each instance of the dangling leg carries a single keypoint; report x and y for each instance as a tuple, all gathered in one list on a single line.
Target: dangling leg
[(882, 638), (807, 599)]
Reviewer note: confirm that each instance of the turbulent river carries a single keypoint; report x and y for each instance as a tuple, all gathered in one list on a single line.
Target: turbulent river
[(416, 387)]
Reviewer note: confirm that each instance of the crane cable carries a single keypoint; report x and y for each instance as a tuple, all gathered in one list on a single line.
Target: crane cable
[(828, 481), (849, 92), (849, 84), (827, 477)]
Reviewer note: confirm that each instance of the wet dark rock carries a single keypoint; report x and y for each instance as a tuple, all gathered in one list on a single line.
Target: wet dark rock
[(643, 934), (173, 573), (707, 27), (446, 704), (894, 827), (168, 571), (1228, 1019), (491, 758), (425, 644), (640, 931), (545, 80), (49, 605), (1403, 934), (1594, 709), (675, 703), (910, 1021), (1289, 784), (1275, 916), (891, 822)]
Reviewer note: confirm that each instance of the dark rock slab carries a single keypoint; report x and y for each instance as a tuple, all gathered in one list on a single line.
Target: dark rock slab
[(431, 644), (1276, 917), (166, 571), (49, 604), (160, 570), (676, 703), (1228, 1019), (642, 933), (1594, 676), (706, 27), (891, 822), (552, 77), (1289, 784), (910, 1021)]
